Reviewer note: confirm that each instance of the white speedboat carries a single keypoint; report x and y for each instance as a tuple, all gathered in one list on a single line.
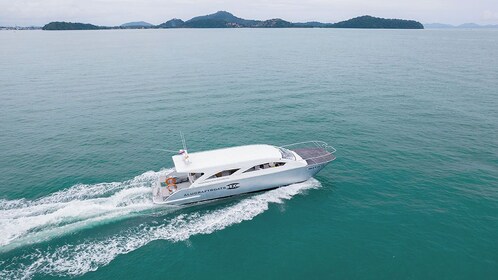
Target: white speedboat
[(232, 171)]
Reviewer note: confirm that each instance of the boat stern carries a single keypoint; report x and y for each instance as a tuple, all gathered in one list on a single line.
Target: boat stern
[(159, 191), (167, 185)]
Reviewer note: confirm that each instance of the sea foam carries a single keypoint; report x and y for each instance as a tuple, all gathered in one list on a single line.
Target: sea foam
[(25, 222), (104, 202)]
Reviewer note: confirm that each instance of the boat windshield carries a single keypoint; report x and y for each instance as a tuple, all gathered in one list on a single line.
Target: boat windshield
[(286, 154)]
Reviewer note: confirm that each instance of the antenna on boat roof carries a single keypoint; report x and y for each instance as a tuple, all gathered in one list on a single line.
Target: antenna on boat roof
[(183, 141), (165, 150), (184, 151)]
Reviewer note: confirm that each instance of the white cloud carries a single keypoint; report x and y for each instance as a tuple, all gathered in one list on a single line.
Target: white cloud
[(490, 16)]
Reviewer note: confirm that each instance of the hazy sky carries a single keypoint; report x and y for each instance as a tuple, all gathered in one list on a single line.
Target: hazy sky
[(116, 12)]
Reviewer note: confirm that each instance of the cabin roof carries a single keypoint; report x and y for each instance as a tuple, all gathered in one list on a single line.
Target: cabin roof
[(226, 158)]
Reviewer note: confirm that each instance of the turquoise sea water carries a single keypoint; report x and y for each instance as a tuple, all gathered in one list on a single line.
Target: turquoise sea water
[(413, 114)]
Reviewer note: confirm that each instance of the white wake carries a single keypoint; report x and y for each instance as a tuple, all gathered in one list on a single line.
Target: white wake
[(24, 222), (89, 255)]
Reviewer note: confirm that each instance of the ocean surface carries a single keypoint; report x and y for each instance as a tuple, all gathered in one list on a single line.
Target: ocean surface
[(413, 115)]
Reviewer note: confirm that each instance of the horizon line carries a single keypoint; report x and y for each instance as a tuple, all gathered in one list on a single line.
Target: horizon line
[(300, 21)]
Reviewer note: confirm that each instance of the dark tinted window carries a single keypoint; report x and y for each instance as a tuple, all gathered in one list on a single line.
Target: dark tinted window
[(223, 173), (265, 166)]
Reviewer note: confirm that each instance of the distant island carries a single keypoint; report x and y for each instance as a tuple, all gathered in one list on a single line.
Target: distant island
[(62, 25), (223, 19), (136, 24)]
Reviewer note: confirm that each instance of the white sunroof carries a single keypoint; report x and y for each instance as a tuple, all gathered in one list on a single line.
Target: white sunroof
[(226, 158)]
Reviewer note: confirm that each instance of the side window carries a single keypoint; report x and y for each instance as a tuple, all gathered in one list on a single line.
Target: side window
[(195, 176), (223, 173), (265, 166)]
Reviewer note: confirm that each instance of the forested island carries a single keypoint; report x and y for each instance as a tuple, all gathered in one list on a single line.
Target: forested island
[(62, 25), (224, 19)]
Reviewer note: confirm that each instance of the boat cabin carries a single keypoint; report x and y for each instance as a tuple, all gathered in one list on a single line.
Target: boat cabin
[(217, 173), (217, 165)]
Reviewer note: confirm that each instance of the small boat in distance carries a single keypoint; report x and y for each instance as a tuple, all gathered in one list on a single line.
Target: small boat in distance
[(238, 170)]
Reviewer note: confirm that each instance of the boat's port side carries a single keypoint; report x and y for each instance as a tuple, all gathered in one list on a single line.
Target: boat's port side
[(236, 186)]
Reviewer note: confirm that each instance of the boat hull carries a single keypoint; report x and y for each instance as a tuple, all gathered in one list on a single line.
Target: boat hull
[(227, 188)]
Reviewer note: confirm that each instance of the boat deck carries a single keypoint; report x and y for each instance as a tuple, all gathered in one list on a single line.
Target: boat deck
[(160, 193), (315, 155)]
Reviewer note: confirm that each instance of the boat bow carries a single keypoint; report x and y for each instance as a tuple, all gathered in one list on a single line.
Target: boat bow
[(313, 152)]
